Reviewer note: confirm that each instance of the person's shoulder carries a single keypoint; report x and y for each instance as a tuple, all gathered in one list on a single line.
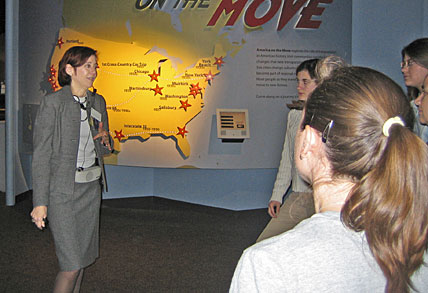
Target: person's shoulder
[(319, 225), (59, 92), (291, 252), (315, 250), (316, 241), (310, 233), (294, 114), (97, 96), (56, 96), (95, 93), (294, 117)]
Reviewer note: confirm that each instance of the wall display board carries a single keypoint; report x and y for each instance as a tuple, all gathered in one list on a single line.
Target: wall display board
[(165, 66), (232, 125)]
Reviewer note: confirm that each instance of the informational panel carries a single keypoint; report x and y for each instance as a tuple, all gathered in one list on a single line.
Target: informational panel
[(232, 125), (165, 66)]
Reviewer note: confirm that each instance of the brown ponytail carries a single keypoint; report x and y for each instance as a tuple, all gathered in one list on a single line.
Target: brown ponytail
[(390, 205)]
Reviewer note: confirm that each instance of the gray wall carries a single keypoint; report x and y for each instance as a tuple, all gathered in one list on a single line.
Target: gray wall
[(380, 29)]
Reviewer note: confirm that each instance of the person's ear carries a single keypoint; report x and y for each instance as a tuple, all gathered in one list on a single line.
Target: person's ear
[(69, 69), (311, 141)]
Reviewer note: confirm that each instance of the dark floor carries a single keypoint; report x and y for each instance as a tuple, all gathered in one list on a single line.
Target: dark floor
[(147, 245)]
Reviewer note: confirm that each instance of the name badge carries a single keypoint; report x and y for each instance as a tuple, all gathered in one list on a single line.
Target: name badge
[(95, 114)]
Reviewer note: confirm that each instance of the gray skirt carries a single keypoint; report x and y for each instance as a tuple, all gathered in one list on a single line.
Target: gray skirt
[(74, 223)]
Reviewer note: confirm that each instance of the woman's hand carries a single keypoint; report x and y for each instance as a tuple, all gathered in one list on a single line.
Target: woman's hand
[(104, 136), (39, 215), (273, 208)]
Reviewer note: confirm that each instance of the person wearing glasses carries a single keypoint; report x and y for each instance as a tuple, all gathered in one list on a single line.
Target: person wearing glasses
[(414, 67), (370, 230)]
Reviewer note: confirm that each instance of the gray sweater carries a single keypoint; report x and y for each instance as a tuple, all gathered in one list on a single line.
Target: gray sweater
[(319, 255)]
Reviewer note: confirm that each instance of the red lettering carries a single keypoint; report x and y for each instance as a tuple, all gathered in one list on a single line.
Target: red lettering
[(288, 11), (310, 10), (250, 15), (228, 6)]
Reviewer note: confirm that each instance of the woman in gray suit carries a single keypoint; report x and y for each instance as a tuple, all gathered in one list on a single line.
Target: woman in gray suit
[(71, 136)]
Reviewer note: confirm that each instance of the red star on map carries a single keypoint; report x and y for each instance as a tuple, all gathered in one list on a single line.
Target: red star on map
[(54, 86), (209, 77), (53, 70), (219, 61), (195, 87), (52, 79), (184, 105), (119, 135), (194, 90), (193, 93), (59, 42), (157, 90), (154, 76), (182, 131)]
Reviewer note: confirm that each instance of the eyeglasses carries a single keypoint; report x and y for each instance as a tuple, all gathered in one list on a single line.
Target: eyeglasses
[(407, 63)]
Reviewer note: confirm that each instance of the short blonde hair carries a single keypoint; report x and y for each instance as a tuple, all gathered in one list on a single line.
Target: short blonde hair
[(327, 65)]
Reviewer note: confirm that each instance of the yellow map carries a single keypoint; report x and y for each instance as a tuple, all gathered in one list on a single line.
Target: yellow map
[(152, 76)]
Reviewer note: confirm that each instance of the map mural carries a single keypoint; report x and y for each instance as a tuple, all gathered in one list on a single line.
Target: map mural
[(164, 66)]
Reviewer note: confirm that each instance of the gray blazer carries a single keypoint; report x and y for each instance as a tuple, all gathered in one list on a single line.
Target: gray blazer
[(56, 142)]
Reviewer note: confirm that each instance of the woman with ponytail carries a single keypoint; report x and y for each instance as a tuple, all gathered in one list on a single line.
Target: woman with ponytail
[(369, 176)]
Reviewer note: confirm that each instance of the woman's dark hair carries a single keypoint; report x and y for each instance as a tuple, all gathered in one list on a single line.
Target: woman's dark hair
[(75, 56), (418, 52), (389, 200), (308, 65)]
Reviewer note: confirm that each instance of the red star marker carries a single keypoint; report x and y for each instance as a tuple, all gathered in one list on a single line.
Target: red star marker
[(59, 42), (193, 93), (209, 77), (119, 135), (157, 90), (52, 70), (182, 131), (195, 87), (194, 90), (219, 61), (184, 105), (154, 76)]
